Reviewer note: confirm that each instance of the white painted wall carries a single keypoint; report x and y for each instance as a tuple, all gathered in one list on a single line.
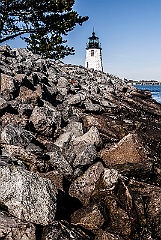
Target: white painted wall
[(95, 61)]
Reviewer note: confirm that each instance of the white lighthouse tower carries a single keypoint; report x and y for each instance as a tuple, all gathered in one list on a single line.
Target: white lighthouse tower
[(94, 53)]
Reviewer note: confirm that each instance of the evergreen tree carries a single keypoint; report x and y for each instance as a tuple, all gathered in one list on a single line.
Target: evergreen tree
[(42, 22)]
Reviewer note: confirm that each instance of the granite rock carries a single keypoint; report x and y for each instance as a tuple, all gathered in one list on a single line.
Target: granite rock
[(58, 162), (45, 120), (84, 185), (12, 228), (16, 135), (127, 150), (91, 137), (27, 196), (89, 217)]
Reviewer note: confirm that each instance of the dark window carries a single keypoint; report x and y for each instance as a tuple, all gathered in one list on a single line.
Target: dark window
[(92, 52), (87, 64)]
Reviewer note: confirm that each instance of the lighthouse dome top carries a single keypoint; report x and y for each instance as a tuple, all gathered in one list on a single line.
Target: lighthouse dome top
[(93, 41)]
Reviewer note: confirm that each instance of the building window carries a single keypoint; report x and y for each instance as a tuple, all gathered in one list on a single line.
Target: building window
[(92, 53), (87, 64)]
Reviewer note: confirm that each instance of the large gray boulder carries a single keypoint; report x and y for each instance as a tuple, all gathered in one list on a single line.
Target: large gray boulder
[(27, 196)]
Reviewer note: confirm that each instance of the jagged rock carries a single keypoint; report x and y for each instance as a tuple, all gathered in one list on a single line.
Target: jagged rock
[(91, 137), (64, 108), (110, 178), (71, 131), (128, 150), (14, 105), (35, 149), (28, 96), (52, 78), (90, 107), (12, 228), (84, 185), (85, 154), (7, 158), (5, 50), (63, 139), (3, 105), (8, 87), (75, 128), (49, 93), (27, 196), (58, 162), (104, 125), (65, 231), (62, 85), (89, 217), (139, 171), (39, 77), (111, 183), (124, 197), (45, 120), (32, 157), (16, 135), (28, 81), (108, 104), (157, 172), (112, 193), (19, 78)]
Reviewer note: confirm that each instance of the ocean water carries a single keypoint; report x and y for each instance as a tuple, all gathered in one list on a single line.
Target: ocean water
[(154, 89)]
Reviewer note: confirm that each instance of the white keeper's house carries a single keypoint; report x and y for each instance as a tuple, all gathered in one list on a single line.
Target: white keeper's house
[(94, 53)]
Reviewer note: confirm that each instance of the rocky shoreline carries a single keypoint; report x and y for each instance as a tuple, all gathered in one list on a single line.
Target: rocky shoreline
[(80, 153)]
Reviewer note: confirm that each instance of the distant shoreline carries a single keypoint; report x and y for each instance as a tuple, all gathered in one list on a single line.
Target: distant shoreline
[(143, 82)]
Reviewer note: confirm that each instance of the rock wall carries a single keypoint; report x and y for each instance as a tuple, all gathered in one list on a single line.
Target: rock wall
[(80, 153)]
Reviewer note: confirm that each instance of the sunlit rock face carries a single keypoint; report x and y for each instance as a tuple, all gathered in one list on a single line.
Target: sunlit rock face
[(80, 153)]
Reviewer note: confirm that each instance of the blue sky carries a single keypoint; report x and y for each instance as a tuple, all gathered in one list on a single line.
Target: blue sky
[(129, 32)]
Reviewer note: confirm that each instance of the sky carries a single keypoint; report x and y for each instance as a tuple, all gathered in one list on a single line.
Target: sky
[(129, 32)]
